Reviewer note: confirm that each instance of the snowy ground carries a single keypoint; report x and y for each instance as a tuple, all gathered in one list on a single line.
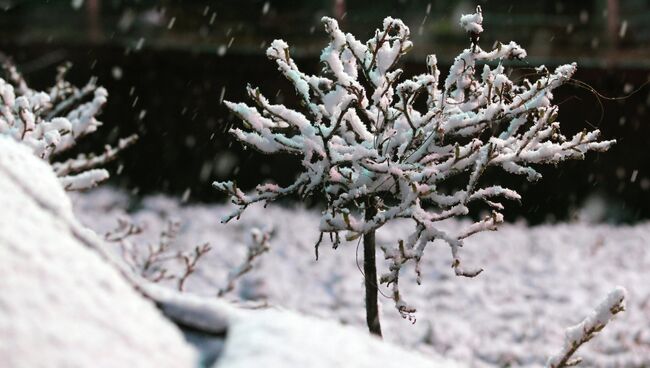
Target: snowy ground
[(537, 280)]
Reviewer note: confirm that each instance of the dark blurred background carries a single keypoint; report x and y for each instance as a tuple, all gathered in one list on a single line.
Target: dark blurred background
[(168, 65)]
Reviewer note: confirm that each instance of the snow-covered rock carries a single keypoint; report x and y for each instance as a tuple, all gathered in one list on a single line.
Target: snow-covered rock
[(61, 305), (64, 302)]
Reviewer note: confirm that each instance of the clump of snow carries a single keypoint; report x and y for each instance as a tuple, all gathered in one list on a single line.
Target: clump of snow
[(472, 23), (84, 180), (537, 280)]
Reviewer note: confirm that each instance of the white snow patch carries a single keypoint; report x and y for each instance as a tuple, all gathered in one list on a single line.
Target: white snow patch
[(273, 338)]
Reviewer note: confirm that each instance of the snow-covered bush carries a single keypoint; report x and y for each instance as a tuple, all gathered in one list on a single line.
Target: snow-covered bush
[(155, 261), (379, 148), (257, 245), (166, 260), (52, 122)]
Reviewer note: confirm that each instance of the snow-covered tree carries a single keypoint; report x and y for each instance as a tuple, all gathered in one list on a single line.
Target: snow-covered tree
[(380, 148), (51, 122)]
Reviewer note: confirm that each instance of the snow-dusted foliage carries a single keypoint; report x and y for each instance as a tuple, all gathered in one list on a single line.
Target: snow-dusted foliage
[(257, 245), (587, 329), (167, 261), (153, 261), (52, 122), (380, 148)]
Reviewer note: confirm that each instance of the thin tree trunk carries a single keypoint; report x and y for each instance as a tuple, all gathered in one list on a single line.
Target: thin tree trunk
[(370, 272)]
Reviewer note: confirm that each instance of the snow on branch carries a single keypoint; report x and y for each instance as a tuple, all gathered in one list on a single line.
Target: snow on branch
[(157, 262), (586, 330), (365, 135), (257, 245), (164, 261), (52, 122)]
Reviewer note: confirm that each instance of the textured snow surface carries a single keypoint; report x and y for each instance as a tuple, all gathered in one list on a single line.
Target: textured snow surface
[(274, 338), (537, 280), (61, 305)]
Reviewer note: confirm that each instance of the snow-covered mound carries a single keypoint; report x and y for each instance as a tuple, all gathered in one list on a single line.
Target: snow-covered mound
[(65, 302), (61, 305), (537, 280), (273, 338)]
